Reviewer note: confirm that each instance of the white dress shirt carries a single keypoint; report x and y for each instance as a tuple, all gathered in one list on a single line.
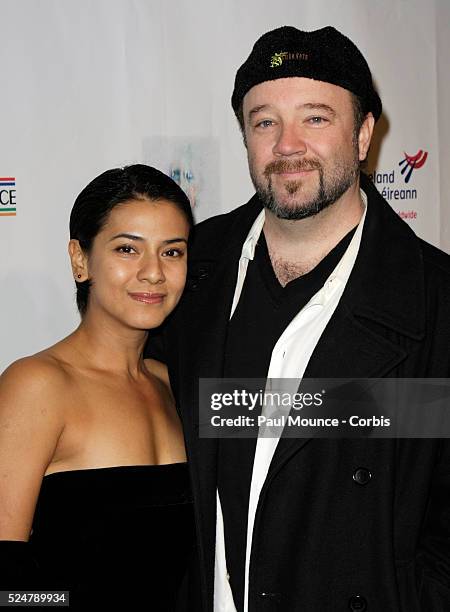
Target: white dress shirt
[(288, 362)]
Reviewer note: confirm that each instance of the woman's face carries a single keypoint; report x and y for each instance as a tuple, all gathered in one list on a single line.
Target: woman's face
[(138, 263)]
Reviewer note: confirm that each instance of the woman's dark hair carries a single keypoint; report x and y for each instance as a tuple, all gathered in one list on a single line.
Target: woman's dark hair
[(92, 207)]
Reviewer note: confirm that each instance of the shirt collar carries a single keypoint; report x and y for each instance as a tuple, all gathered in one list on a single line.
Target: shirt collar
[(344, 267), (249, 246)]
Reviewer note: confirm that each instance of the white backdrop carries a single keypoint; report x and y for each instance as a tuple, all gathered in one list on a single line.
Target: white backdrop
[(89, 85)]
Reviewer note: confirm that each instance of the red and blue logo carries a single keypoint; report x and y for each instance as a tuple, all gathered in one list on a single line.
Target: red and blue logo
[(412, 162), (7, 196)]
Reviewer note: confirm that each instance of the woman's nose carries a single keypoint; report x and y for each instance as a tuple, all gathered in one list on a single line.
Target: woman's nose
[(152, 270)]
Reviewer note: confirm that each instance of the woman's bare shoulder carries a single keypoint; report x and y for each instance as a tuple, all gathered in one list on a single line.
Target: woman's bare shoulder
[(34, 378), (38, 367)]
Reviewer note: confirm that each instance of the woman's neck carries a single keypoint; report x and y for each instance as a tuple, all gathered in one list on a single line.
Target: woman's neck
[(106, 345)]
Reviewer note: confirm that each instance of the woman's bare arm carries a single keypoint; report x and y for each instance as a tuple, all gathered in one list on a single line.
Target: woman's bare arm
[(31, 421)]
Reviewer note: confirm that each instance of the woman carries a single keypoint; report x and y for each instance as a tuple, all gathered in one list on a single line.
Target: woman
[(94, 492)]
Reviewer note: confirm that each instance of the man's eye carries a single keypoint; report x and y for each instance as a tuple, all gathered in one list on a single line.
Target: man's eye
[(317, 120), (126, 249), (265, 123), (173, 253)]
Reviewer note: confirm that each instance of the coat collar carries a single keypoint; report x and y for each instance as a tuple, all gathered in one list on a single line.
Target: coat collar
[(387, 282), (212, 276)]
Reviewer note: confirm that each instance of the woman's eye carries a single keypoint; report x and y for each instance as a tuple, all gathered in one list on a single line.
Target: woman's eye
[(173, 253), (126, 249)]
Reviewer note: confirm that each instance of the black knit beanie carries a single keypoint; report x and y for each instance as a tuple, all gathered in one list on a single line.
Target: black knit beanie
[(324, 55)]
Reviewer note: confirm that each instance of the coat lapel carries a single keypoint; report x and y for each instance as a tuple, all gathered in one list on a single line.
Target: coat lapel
[(346, 350), (202, 332), (201, 343)]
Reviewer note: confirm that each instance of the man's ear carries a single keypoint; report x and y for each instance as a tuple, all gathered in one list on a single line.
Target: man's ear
[(365, 136), (78, 261)]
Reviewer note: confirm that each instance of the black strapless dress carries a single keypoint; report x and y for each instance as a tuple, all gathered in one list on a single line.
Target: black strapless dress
[(115, 536)]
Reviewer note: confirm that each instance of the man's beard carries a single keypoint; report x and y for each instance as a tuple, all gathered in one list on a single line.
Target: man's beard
[(332, 185)]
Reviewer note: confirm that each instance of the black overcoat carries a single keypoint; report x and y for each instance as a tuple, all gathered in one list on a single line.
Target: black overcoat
[(323, 539)]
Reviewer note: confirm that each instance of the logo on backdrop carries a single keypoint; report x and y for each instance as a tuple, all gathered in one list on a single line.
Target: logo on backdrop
[(412, 162), (7, 196), (394, 184)]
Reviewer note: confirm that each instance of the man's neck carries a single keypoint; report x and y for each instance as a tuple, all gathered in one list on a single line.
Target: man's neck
[(296, 247)]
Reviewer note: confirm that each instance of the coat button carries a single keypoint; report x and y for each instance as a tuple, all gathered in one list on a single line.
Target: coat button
[(203, 273), (271, 596), (362, 476), (357, 603)]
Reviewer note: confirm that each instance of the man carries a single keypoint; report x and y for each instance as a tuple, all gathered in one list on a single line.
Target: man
[(315, 276)]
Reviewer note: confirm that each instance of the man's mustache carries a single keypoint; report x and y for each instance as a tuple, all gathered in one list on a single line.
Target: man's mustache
[(283, 165)]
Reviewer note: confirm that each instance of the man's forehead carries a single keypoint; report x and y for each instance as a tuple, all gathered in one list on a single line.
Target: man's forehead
[(294, 91)]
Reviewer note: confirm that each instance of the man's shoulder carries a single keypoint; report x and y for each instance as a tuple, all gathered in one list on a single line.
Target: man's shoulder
[(220, 229), (435, 260), (223, 220)]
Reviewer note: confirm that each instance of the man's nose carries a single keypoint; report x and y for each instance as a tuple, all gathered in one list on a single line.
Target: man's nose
[(152, 269), (290, 141)]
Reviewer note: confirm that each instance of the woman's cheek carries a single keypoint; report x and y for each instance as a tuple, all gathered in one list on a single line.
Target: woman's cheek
[(118, 272)]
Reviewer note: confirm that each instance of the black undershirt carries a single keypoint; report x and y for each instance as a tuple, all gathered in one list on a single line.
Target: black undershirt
[(264, 311)]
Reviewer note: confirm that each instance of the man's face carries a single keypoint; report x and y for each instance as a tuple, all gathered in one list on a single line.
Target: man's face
[(302, 148)]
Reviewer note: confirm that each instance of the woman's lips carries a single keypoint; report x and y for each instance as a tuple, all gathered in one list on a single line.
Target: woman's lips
[(148, 298)]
